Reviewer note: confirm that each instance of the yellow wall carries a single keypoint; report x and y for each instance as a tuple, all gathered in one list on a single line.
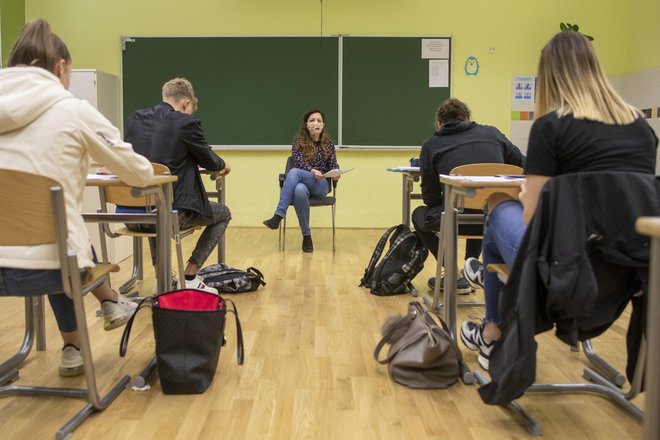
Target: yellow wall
[(369, 196), (643, 41)]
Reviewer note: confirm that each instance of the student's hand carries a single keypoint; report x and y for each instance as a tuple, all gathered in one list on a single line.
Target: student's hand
[(226, 170), (336, 178), (103, 170), (318, 174)]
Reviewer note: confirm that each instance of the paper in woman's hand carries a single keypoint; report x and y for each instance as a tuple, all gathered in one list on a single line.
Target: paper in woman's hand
[(336, 172)]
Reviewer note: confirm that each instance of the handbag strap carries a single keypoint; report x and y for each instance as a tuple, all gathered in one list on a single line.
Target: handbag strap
[(259, 274), (123, 345), (403, 323), (239, 332)]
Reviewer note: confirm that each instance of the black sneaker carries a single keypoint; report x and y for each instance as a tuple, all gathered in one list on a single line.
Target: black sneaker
[(462, 286), (474, 273), (472, 335)]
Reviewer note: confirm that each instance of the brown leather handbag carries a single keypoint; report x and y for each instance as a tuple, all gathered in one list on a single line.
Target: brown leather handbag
[(422, 354)]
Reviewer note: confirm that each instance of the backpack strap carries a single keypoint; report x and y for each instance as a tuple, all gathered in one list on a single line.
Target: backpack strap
[(239, 332), (400, 236), (368, 272), (258, 273), (123, 345)]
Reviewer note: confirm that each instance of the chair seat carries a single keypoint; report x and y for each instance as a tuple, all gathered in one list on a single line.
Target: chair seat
[(125, 231), (321, 201), (93, 275)]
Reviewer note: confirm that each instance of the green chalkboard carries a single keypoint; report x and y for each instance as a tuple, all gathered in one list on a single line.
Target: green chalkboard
[(254, 90), (386, 95), (251, 90)]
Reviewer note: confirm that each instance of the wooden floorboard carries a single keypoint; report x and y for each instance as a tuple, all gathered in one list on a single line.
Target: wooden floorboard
[(308, 373)]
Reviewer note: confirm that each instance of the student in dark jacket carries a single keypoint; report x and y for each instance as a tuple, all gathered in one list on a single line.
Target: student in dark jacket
[(582, 125), (168, 134), (458, 141)]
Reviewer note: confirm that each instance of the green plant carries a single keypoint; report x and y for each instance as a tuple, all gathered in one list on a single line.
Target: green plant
[(573, 27)]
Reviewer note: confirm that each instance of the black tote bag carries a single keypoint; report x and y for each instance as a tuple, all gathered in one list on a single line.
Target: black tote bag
[(189, 333)]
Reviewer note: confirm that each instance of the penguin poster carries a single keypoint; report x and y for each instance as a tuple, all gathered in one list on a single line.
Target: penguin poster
[(471, 66)]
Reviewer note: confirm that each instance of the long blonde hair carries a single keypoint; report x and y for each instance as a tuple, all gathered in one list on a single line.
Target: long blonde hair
[(571, 81)]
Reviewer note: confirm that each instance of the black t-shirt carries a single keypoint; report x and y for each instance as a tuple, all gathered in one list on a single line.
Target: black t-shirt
[(568, 145)]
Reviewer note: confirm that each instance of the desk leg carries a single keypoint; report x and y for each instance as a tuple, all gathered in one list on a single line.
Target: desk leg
[(405, 199), (164, 229), (220, 188), (449, 235), (652, 404)]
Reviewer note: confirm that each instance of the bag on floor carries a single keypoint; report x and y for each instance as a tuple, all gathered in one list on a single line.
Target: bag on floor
[(422, 353), (402, 262), (189, 329), (229, 280)]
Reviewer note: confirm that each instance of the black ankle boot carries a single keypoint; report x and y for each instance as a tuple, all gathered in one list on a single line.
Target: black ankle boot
[(273, 222), (307, 245)]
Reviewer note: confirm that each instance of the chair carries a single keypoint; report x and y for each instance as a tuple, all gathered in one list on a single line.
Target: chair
[(43, 221), (314, 201), (583, 200), (122, 196), (477, 203)]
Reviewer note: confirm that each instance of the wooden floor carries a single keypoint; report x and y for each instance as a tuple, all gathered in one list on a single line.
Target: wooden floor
[(309, 372)]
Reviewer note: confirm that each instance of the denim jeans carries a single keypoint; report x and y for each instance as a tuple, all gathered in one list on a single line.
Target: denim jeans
[(504, 231), (298, 187), (35, 282), (215, 228)]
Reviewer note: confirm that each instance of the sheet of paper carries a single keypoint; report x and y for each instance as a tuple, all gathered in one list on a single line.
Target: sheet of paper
[(403, 169), (336, 172), (101, 176), (438, 73), (435, 48), (481, 179)]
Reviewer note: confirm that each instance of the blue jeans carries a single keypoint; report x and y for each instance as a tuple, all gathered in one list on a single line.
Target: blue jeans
[(504, 231), (35, 282), (298, 187)]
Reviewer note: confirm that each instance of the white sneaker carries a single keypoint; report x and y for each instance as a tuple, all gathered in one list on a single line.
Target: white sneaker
[(115, 314), (197, 284), (71, 363)]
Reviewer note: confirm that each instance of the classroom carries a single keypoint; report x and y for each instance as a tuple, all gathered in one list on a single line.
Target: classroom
[(309, 334)]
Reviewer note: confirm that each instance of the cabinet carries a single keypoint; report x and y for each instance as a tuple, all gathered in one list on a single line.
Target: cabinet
[(101, 90)]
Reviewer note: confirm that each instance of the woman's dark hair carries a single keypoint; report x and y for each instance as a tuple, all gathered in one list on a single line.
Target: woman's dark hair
[(304, 140), (38, 46), (452, 109)]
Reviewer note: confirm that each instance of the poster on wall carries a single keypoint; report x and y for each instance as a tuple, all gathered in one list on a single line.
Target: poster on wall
[(523, 89)]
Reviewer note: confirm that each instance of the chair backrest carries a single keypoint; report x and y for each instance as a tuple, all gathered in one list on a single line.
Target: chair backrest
[(486, 169), (121, 195), (26, 203)]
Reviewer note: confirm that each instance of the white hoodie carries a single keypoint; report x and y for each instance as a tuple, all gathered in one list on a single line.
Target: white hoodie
[(45, 130)]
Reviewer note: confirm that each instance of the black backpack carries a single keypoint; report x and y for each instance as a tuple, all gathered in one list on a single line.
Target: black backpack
[(229, 280), (404, 259)]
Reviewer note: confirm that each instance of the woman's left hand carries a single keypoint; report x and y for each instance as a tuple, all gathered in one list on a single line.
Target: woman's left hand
[(336, 178)]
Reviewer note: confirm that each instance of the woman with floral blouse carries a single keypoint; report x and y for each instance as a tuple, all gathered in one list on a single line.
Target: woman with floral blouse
[(313, 154)]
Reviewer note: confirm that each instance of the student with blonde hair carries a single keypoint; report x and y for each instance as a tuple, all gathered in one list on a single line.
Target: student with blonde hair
[(169, 134), (581, 125), (45, 130)]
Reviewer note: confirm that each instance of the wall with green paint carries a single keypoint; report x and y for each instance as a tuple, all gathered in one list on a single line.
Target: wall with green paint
[(505, 38), (12, 18)]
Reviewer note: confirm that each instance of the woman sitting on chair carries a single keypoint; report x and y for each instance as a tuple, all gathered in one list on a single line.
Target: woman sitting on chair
[(581, 125), (313, 154), (46, 131)]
